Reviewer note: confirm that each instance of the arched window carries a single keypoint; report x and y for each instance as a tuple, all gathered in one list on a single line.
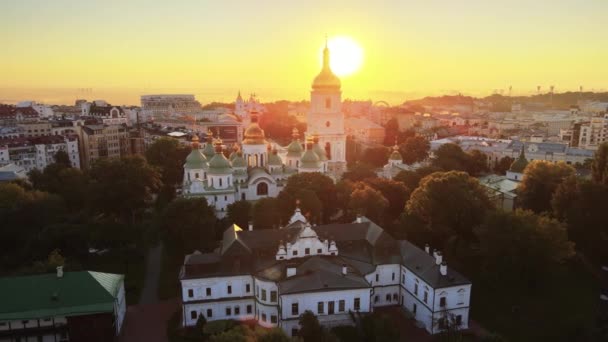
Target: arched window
[(256, 160), (328, 150), (220, 181), (262, 160), (262, 189)]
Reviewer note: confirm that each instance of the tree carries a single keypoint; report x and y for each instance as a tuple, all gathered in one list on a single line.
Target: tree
[(450, 157), (599, 165), (62, 158), (272, 335), (239, 213), (391, 132), (323, 187), (359, 172), (540, 180), (266, 213), (309, 204), (394, 192), (519, 249), (503, 165), (188, 224), (412, 179), (414, 149), (367, 201), (168, 155), (375, 156), (123, 187), (311, 330), (449, 203), (477, 163)]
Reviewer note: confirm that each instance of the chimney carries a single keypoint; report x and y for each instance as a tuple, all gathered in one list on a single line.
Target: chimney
[(250, 226), (427, 248), (359, 218), (291, 271), (438, 258), (59, 271), (344, 270), (443, 268)]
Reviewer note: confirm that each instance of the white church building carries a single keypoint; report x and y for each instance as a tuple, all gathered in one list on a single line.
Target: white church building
[(255, 169), (273, 276)]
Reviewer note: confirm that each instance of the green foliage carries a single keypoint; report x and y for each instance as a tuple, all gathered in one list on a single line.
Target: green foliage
[(375, 156), (266, 214), (478, 163), (322, 186), (62, 158), (450, 157), (414, 149), (359, 172), (188, 224), (503, 165), (219, 326), (367, 201), (541, 179), (239, 213), (599, 165), (312, 331), (520, 249), (168, 155), (449, 203), (272, 335), (123, 187), (309, 203), (394, 192)]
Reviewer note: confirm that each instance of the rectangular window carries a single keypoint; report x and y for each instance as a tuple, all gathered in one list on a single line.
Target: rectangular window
[(377, 277), (442, 301), (208, 291), (193, 314), (229, 289), (416, 289), (257, 291), (190, 293), (307, 251), (357, 304), (393, 278), (294, 332), (248, 288), (249, 309), (403, 279), (319, 251), (426, 296), (228, 311), (415, 309), (295, 253), (320, 307), (331, 307), (263, 317), (295, 310), (273, 319), (341, 305), (459, 320), (263, 294), (209, 313), (237, 310), (273, 296)]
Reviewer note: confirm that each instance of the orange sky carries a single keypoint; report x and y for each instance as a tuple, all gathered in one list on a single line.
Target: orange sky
[(122, 49)]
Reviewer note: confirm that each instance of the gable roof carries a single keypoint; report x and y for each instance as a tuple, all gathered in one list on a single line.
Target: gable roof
[(46, 295)]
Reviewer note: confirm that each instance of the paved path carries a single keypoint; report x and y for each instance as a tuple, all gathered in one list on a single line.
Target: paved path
[(148, 322), (149, 294)]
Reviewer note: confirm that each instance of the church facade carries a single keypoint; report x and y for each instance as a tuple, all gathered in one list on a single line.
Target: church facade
[(273, 276), (255, 169)]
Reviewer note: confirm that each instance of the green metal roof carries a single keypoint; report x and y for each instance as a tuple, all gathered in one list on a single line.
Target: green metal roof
[(274, 159), (395, 155), (520, 164), (196, 160), (294, 149), (309, 160), (239, 161), (209, 150), (319, 151), (219, 164), (46, 295)]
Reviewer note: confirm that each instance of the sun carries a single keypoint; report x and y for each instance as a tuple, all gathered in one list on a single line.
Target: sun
[(346, 55)]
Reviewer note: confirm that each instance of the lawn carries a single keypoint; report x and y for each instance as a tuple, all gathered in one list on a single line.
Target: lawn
[(564, 308), (132, 263)]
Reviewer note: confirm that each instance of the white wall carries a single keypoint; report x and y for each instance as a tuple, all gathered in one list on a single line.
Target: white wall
[(218, 287)]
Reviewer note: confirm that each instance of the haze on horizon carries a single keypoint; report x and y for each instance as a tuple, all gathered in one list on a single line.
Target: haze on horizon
[(213, 49)]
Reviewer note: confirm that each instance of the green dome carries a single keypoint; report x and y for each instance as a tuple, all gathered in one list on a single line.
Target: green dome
[(396, 155), (520, 163), (239, 161), (196, 160), (319, 151), (219, 164), (209, 151), (294, 149), (309, 160), (274, 159)]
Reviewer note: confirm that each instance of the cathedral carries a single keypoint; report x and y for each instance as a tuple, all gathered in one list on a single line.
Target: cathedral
[(255, 169)]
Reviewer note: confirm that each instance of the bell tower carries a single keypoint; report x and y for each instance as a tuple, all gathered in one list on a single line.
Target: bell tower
[(326, 118)]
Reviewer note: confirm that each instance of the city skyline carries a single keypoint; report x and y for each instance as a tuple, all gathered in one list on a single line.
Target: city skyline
[(214, 50)]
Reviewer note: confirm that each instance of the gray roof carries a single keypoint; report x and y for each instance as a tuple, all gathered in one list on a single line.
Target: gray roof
[(361, 247)]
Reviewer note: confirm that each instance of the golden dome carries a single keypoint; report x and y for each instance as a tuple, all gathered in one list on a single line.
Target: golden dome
[(254, 135), (326, 79)]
